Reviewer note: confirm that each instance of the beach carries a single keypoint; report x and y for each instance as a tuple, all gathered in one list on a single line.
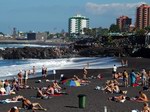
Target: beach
[(95, 99)]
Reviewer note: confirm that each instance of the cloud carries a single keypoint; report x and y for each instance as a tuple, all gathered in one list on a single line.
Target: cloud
[(113, 8)]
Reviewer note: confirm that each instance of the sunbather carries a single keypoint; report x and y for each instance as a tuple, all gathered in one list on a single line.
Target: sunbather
[(50, 90), (146, 108), (116, 89), (81, 81), (120, 98), (40, 94), (109, 86), (14, 109), (26, 103), (56, 86), (17, 98), (142, 97)]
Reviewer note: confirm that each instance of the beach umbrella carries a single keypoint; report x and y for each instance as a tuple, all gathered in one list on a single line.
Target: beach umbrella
[(72, 83)]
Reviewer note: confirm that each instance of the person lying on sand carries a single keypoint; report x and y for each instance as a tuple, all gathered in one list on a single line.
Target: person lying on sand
[(12, 100), (27, 104), (81, 81), (14, 109), (17, 98), (120, 98), (146, 108)]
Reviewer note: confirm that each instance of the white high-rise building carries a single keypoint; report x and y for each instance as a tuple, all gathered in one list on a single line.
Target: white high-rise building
[(77, 24)]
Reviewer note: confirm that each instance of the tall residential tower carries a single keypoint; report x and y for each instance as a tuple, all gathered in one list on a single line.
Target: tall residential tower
[(77, 24), (143, 16), (124, 23)]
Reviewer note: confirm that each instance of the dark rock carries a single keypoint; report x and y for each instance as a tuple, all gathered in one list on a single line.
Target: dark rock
[(27, 52)]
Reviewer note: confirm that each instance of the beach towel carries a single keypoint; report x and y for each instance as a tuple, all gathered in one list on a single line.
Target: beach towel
[(8, 101), (58, 94), (135, 84), (35, 97)]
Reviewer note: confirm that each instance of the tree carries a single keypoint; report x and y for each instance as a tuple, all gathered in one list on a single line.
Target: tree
[(140, 32), (147, 29), (114, 28), (1, 33)]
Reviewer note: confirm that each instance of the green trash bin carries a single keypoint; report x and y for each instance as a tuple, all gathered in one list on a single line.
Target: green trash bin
[(82, 100)]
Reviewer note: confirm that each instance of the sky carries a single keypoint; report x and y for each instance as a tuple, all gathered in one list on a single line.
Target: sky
[(53, 15)]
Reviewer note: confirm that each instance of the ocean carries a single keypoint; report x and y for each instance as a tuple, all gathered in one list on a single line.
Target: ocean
[(10, 68)]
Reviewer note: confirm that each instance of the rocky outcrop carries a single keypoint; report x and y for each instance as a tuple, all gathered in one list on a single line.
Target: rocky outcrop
[(49, 53), (142, 52), (32, 52), (102, 52)]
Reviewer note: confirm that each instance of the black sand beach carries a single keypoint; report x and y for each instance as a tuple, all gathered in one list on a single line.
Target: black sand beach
[(96, 99)]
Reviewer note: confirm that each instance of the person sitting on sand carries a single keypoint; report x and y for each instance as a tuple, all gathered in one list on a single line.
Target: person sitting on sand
[(116, 82), (142, 97), (120, 98), (27, 104), (14, 109), (116, 89), (15, 85), (8, 88), (40, 94), (2, 91), (146, 108), (56, 86), (117, 75), (1, 84), (109, 86), (50, 90)]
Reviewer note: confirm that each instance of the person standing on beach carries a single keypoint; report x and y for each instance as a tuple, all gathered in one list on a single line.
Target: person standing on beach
[(25, 76), (114, 69), (33, 69), (43, 71), (133, 77), (125, 78), (85, 72), (20, 76), (144, 77)]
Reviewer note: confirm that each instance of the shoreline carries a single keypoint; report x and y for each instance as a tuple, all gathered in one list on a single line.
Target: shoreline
[(96, 99), (132, 64)]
